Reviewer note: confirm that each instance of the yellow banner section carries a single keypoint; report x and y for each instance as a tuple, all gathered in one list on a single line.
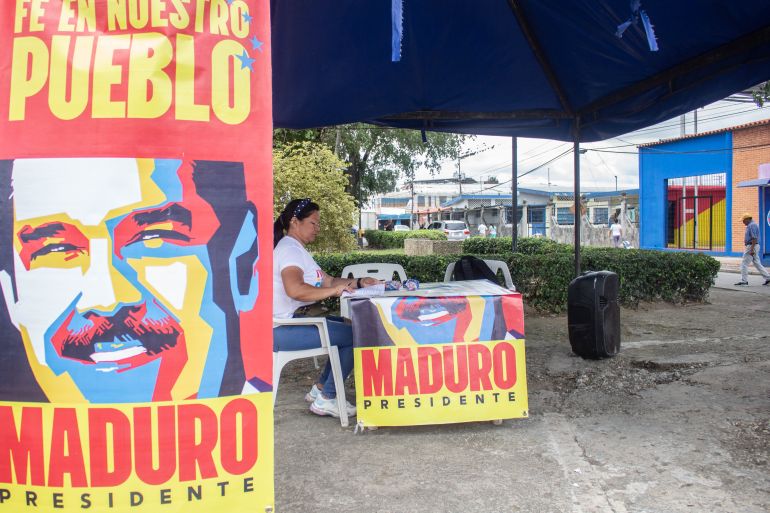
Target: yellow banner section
[(191, 456), (441, 383)]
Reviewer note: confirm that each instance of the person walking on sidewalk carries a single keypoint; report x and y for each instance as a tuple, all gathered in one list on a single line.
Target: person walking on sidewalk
[(750, 254)]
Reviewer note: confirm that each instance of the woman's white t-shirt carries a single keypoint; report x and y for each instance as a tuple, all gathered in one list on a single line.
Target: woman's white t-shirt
[(290, 253), (616, 229)]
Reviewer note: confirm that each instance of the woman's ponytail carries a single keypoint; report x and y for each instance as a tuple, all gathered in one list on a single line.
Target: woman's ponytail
[(299, 208)]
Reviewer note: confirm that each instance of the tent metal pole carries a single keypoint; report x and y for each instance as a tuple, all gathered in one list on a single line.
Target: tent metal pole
[(514, 192), (578, 211)]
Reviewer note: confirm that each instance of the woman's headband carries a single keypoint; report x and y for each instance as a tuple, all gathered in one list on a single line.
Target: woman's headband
[(300, 207)]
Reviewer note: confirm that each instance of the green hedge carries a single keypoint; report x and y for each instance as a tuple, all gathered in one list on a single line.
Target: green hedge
[(423, 268), (382, 239), (502, 245), (644, 275), (543, 278)]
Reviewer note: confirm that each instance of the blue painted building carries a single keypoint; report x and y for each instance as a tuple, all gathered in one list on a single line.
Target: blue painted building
[(690, 193)]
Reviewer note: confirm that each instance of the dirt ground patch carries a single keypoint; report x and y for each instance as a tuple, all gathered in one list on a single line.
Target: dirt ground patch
[(678, 421)]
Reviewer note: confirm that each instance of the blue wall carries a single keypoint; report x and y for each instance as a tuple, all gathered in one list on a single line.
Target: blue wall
[(689, 157)]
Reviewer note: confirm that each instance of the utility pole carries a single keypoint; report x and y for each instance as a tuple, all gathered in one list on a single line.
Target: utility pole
[(459, 167), (459, 175), (360, 211), (337, 142), (514, 192), (411, 218)]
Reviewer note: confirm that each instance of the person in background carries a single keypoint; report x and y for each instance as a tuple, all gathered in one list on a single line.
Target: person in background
[(493, 232), (482, 229), (750, 253), (298, 281), (616, 232)]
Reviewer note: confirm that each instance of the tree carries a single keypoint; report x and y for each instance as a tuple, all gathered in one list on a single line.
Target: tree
[(378, 156), (761, 94), (311, 170)]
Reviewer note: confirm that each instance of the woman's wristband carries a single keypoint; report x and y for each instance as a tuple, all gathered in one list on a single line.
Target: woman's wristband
[(358, 283)]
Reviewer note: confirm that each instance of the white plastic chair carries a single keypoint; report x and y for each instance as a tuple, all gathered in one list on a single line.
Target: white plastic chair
[(281, 358), (377, 270), (494, 265)]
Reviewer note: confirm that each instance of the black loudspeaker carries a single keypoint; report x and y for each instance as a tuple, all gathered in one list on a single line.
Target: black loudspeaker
[(593, 314)]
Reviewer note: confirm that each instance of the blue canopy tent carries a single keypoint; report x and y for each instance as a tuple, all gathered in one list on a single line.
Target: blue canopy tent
[(572, 70)]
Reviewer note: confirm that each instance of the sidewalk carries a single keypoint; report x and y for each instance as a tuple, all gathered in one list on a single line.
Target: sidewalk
[(733, 265), (727, 280), (729, 274)]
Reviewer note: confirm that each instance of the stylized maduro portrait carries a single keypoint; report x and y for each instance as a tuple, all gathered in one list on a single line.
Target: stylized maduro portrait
[(123, 279), (406, 321)]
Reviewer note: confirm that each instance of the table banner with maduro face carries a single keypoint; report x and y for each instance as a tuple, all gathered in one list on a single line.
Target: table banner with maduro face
[(434, 357), (135, 256)]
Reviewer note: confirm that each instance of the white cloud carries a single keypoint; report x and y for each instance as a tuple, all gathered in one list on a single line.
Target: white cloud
[(599, 165)]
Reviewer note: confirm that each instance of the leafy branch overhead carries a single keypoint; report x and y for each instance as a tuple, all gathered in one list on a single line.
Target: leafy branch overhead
[(377, 156)]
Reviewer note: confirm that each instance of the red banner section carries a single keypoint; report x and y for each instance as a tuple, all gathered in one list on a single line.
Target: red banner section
[(135, 255)]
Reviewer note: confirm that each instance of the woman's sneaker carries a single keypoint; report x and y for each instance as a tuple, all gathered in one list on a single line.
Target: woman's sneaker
[(313, 394), (323, 406)]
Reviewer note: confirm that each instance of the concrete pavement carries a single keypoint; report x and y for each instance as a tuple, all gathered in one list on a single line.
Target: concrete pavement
[(733, 265), (727, 280), (729, 275), (677, 422)]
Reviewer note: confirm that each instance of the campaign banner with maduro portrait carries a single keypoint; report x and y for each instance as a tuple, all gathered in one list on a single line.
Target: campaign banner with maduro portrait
[(450, 352), (135, 256)]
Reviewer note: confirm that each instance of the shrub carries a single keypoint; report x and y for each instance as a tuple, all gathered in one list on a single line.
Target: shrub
[(543, 278), (502, 245), (382, 239), (423, 268), (644, 275)]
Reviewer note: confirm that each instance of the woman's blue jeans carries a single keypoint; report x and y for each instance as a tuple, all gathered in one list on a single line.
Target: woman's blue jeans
[(295, 338)]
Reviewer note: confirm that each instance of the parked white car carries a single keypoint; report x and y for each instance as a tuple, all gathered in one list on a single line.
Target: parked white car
[(454, 230), (401, 228)]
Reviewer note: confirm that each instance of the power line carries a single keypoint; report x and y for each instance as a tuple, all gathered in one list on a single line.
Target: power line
[(664, 127), (530, 171), (692, 152), (505, 165)]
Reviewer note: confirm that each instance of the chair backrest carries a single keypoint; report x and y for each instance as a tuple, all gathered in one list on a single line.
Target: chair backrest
[(378, 270), (495, 265), (500, 266)]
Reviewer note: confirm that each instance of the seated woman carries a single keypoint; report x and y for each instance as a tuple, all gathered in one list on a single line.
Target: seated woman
[(298, 281)]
